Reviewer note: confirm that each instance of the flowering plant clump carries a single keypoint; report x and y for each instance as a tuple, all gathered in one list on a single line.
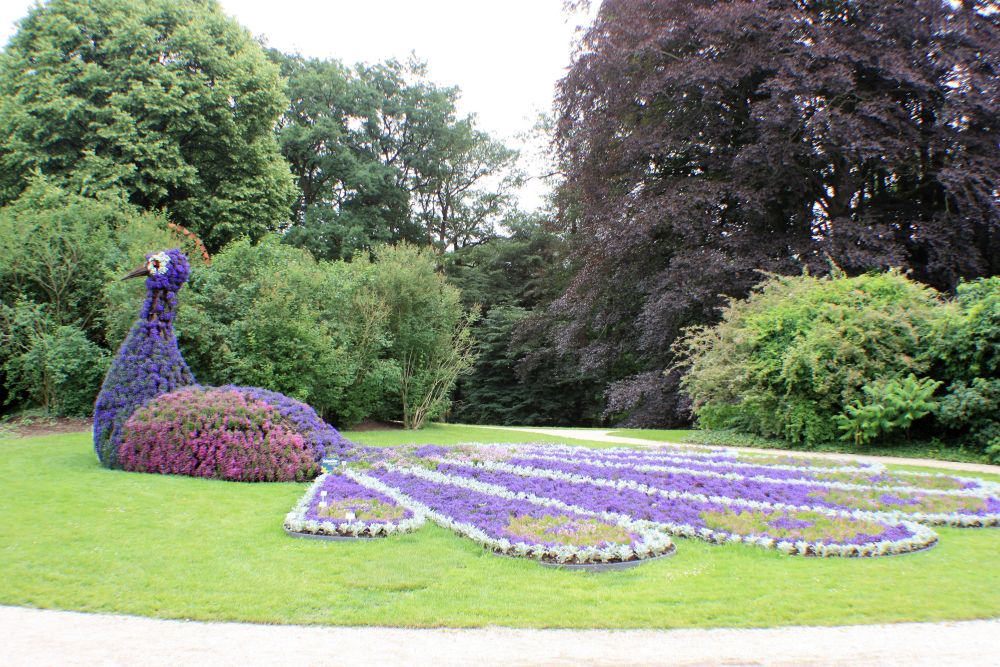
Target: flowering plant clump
[(218, 433), (337, 505), (323, 439), (148, 363)]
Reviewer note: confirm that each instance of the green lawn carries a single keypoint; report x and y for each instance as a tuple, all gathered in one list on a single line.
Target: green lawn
[(77, 536)]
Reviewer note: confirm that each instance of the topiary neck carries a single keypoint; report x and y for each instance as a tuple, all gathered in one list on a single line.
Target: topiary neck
[(159, 307)]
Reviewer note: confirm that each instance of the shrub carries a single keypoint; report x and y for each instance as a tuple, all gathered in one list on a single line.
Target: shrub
[(966, 352), (222, 433), (791, 357), (60, 249), (888, 407), (269, 315), (429, 336), (56, 367)]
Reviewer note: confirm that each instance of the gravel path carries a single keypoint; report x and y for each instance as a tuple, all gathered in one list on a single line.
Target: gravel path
[(42, 637), (606, 436)]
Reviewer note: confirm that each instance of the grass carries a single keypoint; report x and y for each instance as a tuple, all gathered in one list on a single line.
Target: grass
[(77, 536)]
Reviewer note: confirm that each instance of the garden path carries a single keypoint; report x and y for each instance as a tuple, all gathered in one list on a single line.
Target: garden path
[(46, 637), (606, 436)]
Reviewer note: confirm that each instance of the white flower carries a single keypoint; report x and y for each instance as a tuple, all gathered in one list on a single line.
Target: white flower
[(156, 265)]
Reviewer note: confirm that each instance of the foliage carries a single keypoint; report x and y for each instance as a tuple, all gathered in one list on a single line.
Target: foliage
[(517, 377), (380, 156), (58, 252), (167, 104), (515, 380), (428, 333), (973, 408), (966, 351), (888, 407), (799, 350), (56, 366), (218, 433), (59, 249), (704, 141), (967, 341)]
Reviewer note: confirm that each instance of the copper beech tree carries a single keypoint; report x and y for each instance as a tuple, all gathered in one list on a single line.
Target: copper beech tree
[(706, 141)]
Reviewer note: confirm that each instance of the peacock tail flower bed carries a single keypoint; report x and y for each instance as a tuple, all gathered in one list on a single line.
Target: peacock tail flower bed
[(512, 524), (792, 530), (566, 504), (958, 507), (337, 505)]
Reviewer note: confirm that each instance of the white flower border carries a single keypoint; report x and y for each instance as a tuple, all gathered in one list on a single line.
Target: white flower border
[(705, 458), (296, 522), (923, 536), (735, 476), (983, 486), (653, 541)]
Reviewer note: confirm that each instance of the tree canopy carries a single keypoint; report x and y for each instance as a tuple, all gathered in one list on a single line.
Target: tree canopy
[(705, 141), (380, 156), (165, 103)]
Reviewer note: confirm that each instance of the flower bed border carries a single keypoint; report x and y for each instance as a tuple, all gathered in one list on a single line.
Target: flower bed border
[(330, 538), (297, 525)]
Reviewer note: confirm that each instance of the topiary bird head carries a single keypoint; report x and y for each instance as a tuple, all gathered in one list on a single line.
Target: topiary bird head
[(165, 272)]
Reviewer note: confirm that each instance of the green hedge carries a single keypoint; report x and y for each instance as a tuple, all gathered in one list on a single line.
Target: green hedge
[(865, 359)]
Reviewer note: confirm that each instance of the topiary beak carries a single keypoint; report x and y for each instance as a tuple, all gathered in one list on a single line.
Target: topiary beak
[(135, 273)]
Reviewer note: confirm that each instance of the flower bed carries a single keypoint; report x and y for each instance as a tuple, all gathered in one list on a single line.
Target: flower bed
[(866, 474), (337, 505), (216, 433), (566, 504), (545, 529), (958, 507), (792, 530)]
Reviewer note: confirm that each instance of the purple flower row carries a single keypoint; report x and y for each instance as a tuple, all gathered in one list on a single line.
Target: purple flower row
[(537, 528), (922, 505), (713, 520)]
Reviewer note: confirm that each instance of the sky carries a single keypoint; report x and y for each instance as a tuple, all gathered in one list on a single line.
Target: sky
[(505, 56)]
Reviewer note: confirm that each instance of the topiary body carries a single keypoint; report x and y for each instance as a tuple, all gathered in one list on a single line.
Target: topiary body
[(152, 416)]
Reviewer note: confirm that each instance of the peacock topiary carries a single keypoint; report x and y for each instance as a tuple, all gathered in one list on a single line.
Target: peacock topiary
[(152, 416)]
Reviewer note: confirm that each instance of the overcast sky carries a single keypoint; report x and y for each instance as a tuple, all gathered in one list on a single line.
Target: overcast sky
[(505, 56)]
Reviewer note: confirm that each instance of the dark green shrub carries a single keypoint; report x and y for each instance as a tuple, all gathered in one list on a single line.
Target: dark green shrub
[(59, 251), (889, 406), (966, 352), (54, 366)]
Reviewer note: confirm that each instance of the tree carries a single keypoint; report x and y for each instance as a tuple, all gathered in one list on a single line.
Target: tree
[(381, 157), (167, 103), (428, 330), (704, 141), (518, 377), (469, 190)]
